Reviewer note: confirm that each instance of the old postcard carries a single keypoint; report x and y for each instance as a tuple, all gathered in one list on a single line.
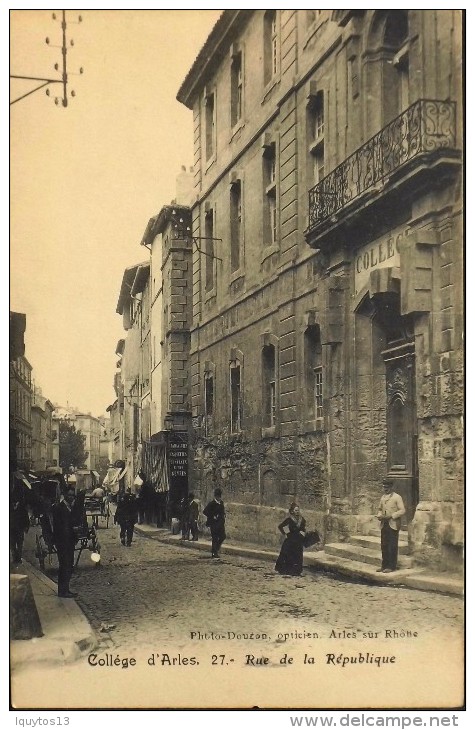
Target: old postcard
[(236, 360)]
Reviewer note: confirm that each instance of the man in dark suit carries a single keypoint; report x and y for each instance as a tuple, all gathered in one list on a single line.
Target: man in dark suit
[(126, 516), (19, 519), (68, 513), (216, 516)]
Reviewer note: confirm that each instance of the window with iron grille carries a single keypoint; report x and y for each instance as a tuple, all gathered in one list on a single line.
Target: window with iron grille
[(209, 249), (236, 397), (273, 219), (318, 391), (313, 373), (209, 403), (236, 224), (272, 396), (269, 394)]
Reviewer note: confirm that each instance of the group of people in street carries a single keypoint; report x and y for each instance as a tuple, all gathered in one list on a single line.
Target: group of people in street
[(296, 537), (58, 507), (66, 514), (127, 515)]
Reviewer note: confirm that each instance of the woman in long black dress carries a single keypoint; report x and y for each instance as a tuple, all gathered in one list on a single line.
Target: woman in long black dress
[(290, 560)]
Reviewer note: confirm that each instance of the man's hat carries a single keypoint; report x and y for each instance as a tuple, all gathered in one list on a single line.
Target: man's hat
[(387, 482)]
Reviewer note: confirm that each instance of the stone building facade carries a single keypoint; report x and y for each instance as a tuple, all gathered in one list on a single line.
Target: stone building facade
[(326, 345), (42, 432), (165, 457), (151, 417), (90, 427), (21, 395), (131, 414), (105, 446), (55, 421), (168, 238)]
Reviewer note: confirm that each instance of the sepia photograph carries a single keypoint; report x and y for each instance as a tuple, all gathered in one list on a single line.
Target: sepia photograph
[(236, 360)]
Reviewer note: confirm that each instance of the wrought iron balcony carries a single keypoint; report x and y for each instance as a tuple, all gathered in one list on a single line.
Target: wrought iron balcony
[(426, 126)]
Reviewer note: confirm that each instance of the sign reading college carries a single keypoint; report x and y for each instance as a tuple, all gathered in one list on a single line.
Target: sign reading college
[(379, 254)]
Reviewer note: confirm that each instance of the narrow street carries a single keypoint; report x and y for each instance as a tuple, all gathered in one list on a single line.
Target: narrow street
[(171, 602), (237, 303)]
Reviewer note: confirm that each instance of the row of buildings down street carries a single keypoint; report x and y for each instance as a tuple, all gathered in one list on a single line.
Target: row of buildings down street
[(293, 329), (34, 420)]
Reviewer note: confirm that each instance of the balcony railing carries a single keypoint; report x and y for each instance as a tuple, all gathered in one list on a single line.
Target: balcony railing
[(427, 125)]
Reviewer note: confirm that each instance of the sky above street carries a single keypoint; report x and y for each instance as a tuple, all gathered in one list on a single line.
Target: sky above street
[(85, 180)]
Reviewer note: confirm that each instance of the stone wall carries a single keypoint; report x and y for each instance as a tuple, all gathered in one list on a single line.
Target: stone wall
[(333, 465), (253, 475)]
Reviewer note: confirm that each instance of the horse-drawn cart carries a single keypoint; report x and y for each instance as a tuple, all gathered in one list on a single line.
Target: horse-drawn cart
[(47, 490), (97, 508)]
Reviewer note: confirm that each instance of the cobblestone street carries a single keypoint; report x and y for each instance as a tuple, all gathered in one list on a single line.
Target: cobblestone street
[(176, 610), (154, 593), (263, 345)]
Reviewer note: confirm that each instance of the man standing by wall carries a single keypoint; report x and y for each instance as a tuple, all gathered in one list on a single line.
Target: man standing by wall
[(391, 509), (216, 516)]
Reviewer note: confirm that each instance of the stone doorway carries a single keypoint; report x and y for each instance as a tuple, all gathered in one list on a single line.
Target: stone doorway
[(398, 356)]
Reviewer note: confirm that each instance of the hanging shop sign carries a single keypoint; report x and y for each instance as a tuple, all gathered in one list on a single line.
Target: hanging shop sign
[(178, 462)]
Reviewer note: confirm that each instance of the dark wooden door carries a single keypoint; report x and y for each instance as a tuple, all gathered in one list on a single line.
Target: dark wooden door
[(402, 425)]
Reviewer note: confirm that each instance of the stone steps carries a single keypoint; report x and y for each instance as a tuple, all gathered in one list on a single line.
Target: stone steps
[(363, 554), (319, 560), (358, 569), (373, 542)]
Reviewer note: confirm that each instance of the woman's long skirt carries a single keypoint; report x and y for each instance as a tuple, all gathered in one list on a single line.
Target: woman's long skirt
[(290, 560)]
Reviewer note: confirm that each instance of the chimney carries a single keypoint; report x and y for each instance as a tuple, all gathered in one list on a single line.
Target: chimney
[(184, 187)]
